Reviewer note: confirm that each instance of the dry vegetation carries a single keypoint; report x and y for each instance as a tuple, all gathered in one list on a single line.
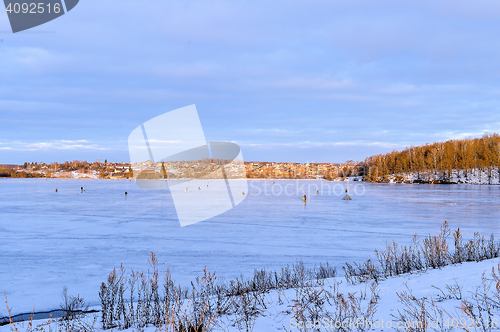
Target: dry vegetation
[(432, 253), (137, 298)]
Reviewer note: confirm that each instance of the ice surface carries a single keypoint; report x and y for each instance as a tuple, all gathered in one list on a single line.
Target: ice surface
[(74, 239)]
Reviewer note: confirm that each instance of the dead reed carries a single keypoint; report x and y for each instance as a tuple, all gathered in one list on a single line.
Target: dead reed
[(196, 308), (432, 253)]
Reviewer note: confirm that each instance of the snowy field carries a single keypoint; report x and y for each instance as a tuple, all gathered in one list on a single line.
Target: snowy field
[(443, 290), (71, 238)]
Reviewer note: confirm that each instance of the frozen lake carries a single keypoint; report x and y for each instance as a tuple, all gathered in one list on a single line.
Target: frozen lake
[(49, 240)]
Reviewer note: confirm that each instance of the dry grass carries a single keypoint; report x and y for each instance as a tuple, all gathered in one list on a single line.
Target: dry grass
[(31, 327), (176, 310), (432, 253), (197, 309)]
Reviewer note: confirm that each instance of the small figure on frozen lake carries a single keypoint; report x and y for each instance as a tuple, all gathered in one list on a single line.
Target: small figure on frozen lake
[(243, 193), (304, 198), (186, 189), (56, 189), (126, 193), (347, 197)]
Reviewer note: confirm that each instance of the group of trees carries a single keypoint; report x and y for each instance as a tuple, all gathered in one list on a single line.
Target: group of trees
[(299, 171), (439, 160), (68, 166), (8, 171), (35, 169)]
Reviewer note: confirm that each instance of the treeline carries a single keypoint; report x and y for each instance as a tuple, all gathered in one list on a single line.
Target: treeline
[(69, 166), (437, 162), (37, 170), (6, 172)]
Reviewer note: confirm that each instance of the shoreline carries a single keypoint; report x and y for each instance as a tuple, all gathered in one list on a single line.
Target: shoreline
[(275, 179)]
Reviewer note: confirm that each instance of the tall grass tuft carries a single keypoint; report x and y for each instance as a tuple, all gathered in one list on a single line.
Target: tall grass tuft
[(137, 299), (31, 327), (432, 253)]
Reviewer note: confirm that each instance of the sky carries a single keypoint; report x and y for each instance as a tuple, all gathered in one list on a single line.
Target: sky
[(298, 81)]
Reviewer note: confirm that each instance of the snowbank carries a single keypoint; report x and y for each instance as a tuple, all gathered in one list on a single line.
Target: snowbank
[(442, 292)]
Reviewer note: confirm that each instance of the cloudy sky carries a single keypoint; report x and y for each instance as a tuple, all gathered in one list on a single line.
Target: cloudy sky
[(302, 81)]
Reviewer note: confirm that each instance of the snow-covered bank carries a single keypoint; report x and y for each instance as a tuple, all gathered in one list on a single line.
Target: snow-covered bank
[(475, 176), (431, 285), (443, 292)]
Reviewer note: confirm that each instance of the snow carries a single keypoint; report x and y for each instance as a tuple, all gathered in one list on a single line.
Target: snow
[(422, 284), (476, 176), (74, 239), (426, 284)]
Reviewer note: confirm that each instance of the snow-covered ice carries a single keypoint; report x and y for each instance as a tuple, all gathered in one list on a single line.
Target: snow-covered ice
[(74, 239)]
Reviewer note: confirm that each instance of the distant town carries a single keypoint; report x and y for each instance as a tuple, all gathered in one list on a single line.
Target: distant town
[(207, 168)]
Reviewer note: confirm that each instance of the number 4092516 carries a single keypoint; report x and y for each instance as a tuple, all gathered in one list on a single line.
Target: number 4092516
[(33, 8)]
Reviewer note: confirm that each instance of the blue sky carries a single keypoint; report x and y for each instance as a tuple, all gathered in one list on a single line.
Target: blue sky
[(301, 81)]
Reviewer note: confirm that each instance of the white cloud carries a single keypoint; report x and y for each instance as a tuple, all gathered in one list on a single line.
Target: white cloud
[(54, 145), (312, 83), (327, 144)]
